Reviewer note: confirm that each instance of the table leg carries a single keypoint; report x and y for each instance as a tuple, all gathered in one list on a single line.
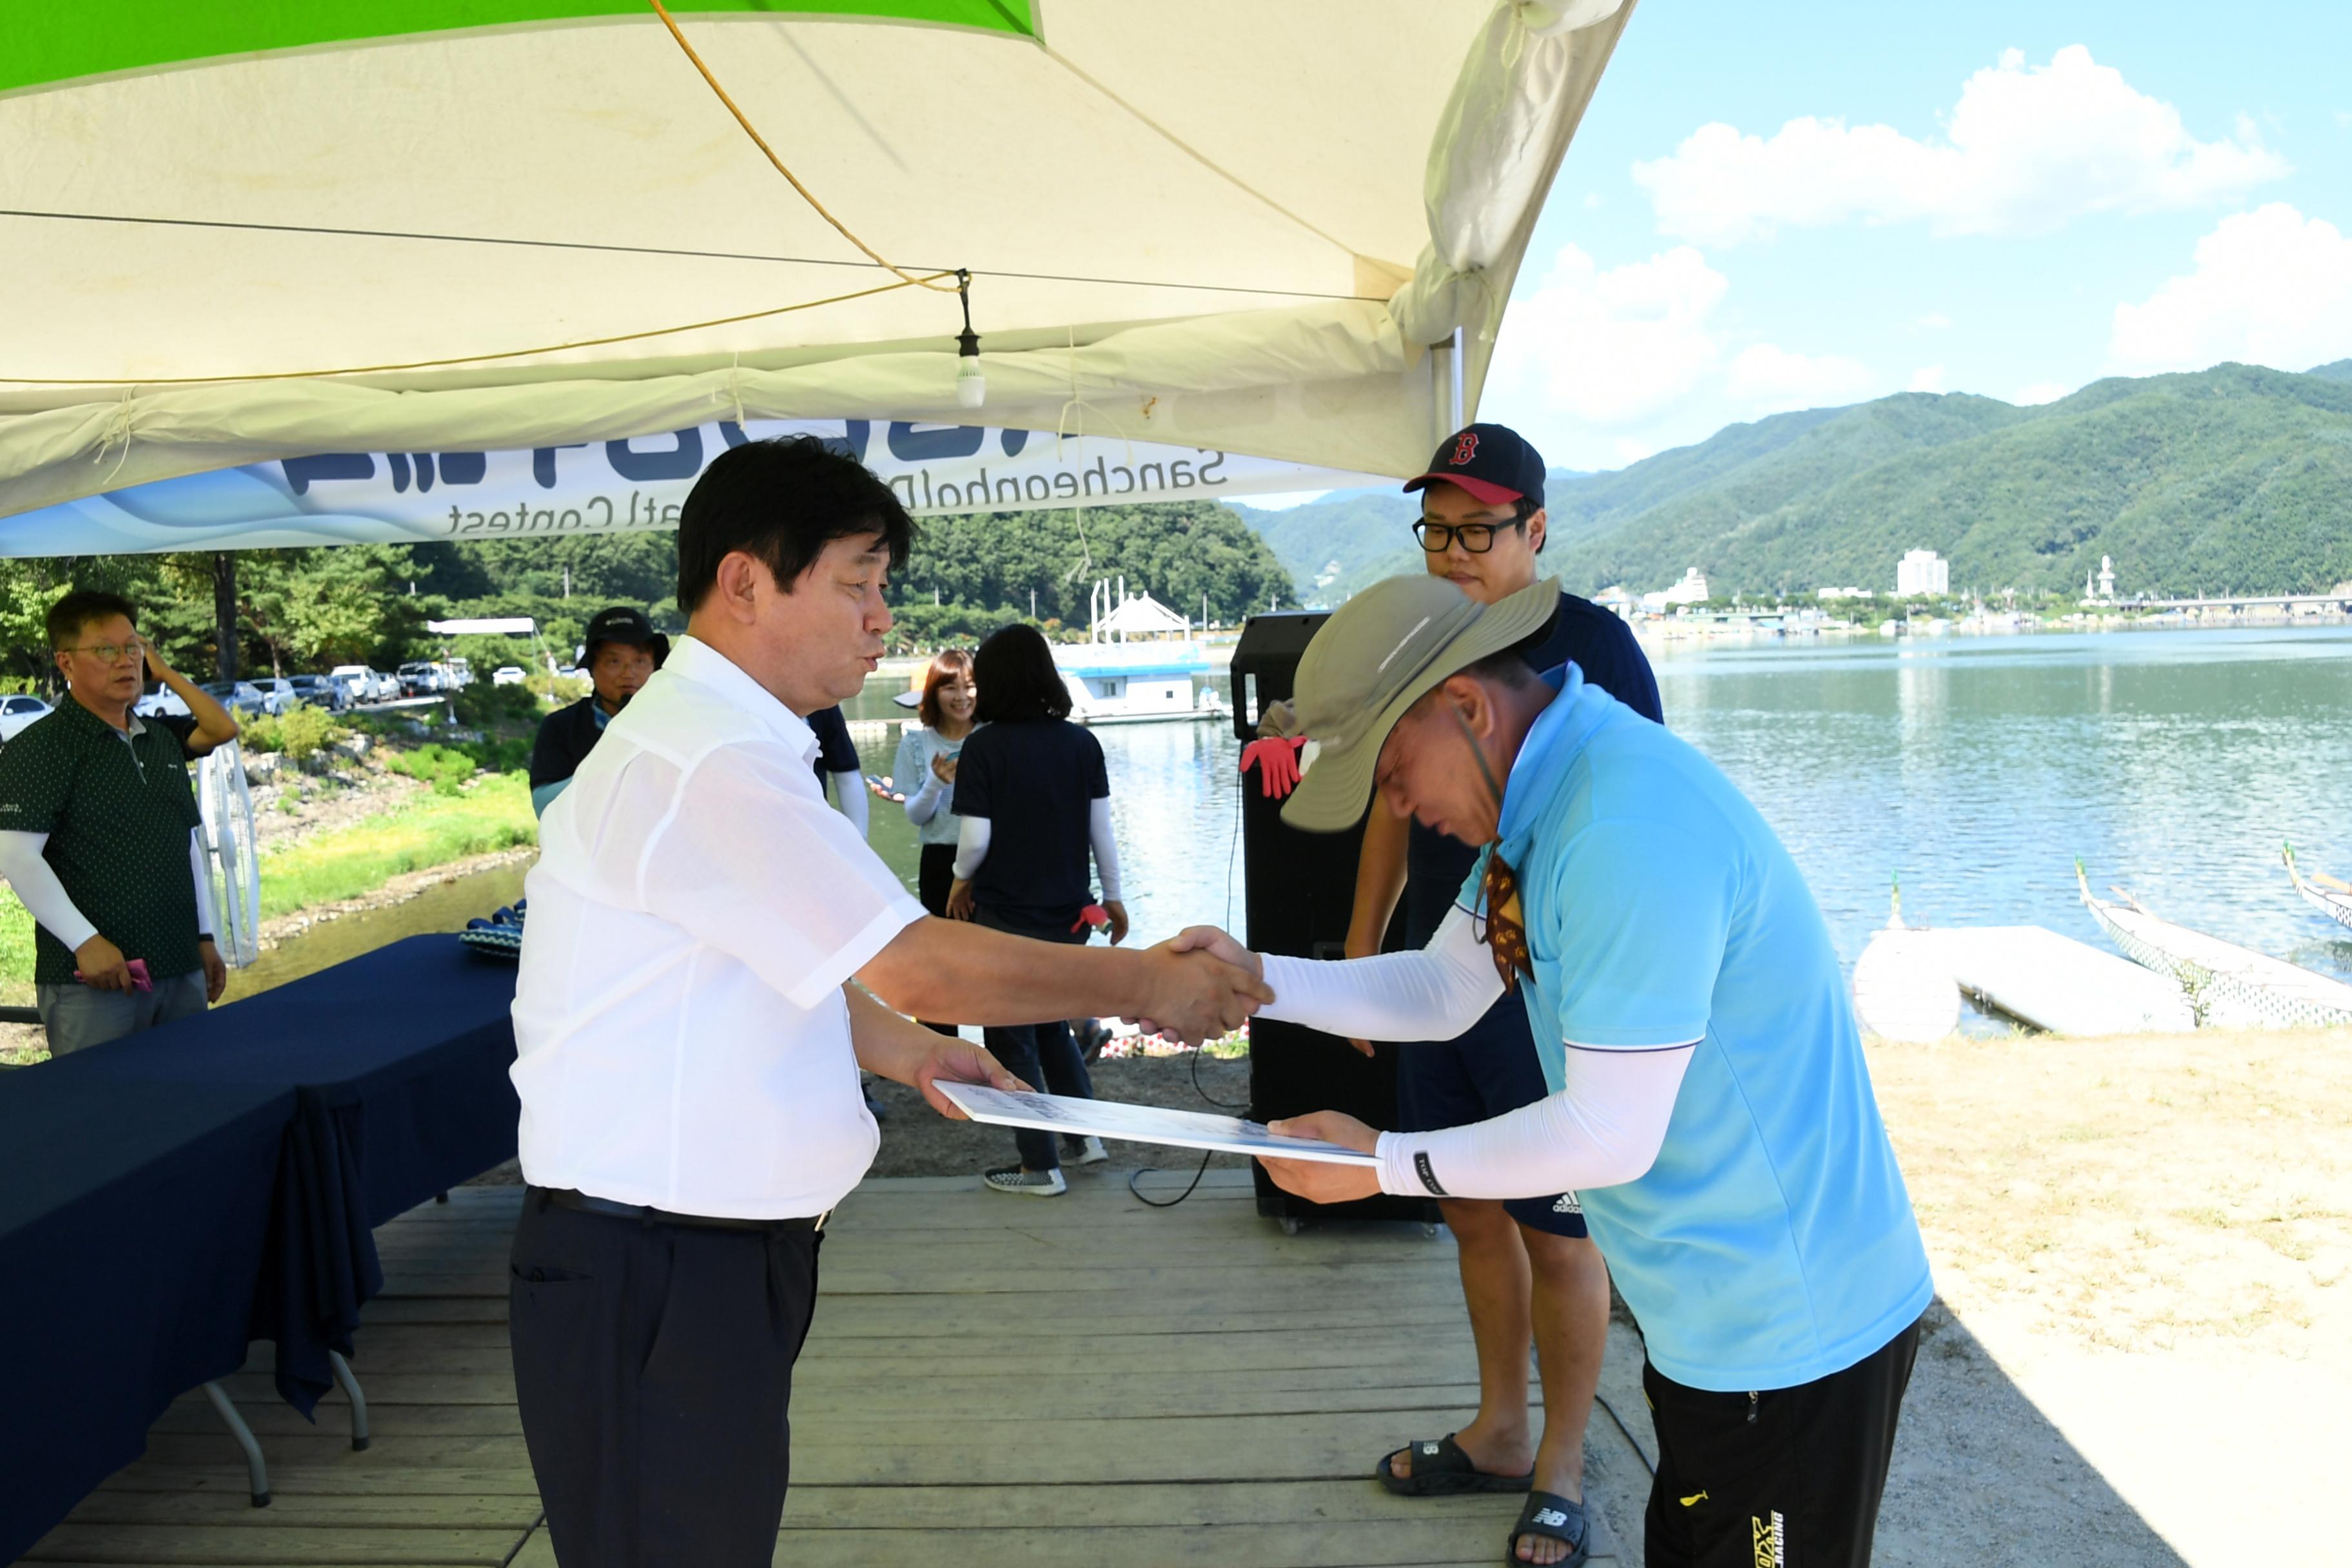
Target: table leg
[(256, 1470), (351, 1387)]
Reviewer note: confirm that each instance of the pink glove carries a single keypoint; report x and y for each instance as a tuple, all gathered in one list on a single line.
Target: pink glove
[(1277, 764)]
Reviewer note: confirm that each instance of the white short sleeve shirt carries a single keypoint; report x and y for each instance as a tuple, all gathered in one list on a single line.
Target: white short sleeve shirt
[(681, 1036)]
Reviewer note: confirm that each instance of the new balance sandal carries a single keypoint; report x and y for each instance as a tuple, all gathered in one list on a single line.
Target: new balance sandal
[(1554, 1518), (1440, 1468)]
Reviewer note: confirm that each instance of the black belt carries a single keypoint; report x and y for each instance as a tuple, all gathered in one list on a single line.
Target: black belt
[(566, 1198)]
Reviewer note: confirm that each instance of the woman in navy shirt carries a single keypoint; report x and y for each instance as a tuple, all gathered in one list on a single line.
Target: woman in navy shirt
[(1034, 800)]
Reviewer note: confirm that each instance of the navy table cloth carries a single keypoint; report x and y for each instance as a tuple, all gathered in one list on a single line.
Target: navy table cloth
[(357, 1092), (135, 1233)]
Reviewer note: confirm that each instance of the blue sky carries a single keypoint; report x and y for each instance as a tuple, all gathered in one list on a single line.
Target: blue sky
[(1773, 208)]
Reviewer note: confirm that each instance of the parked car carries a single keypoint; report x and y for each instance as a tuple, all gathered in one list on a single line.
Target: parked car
[(320, 691), (507, 675), (160, 703), (278, 692), (16, 712), (358, 680), (461, 673), (238, 696), (419, 680)]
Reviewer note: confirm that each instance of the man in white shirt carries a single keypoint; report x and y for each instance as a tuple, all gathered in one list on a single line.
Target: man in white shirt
[(688, 1038)]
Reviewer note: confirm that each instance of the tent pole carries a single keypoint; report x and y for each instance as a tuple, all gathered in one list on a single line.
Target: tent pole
[(1459, 412)]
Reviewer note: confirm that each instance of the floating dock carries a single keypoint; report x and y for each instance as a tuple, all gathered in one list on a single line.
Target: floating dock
[(1909, 983), (2064, 986)]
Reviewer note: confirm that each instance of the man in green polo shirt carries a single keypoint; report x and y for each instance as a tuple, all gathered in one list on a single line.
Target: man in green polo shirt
[(99, 835)]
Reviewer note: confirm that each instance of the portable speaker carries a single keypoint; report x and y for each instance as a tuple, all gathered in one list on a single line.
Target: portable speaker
[(1301, 889)]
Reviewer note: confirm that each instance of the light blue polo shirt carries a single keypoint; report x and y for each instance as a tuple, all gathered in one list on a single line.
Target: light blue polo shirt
[(1773, 1242)]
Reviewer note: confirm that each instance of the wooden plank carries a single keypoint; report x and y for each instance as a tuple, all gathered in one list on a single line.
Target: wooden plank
[(1327, 1545), (292, 1506), (481, 1349), (289, 1482), (1150, 1503), (259, 1545)]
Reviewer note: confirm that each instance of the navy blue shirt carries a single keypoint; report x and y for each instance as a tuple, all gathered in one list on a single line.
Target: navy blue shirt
[(835, 751), (1604, 648), (1034, 782)]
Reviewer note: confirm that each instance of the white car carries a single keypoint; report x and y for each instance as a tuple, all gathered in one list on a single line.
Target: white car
[(160, 703), (16, 712), (507, 675)]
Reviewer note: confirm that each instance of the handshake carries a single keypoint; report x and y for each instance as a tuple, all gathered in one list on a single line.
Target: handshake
[(1201, 982)]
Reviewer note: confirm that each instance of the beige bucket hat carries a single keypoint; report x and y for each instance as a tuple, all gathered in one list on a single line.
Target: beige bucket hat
[(1386, 648)]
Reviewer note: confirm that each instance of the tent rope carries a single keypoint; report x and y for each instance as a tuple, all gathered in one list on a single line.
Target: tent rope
[(455, 359), (761, 142)]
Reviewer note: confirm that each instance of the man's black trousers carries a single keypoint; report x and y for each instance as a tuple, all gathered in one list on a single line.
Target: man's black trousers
[(1787, 1475), (654, 1365)]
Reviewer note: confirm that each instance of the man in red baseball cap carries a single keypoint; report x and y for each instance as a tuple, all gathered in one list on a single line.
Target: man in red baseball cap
[(1529, 1272)]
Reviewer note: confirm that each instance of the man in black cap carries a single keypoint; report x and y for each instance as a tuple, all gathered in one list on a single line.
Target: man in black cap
[(623, 651), (1528, 1270)]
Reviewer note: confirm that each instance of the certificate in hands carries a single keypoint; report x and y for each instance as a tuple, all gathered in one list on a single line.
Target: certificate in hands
[(1140, 1124)]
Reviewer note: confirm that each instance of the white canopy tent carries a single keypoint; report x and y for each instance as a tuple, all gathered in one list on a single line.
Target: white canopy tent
[(240, 234)]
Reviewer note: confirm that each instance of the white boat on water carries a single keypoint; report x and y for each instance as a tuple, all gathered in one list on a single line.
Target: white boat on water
[(1139, 664), (2323, 893), (2231, 985)]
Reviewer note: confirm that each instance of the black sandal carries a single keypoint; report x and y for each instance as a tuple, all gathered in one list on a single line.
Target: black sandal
[(1440, 1468), (1549, 1515)]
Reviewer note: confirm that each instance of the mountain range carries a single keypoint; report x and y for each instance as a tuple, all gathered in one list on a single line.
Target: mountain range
[(2232, 480)]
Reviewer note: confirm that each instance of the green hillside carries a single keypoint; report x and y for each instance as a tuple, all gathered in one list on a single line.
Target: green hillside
[(2231, 479)]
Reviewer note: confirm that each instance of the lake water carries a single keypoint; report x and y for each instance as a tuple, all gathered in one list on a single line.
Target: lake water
[(1977, 769)]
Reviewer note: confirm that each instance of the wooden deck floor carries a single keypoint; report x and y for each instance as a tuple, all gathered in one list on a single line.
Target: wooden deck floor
[(1080, 1381)]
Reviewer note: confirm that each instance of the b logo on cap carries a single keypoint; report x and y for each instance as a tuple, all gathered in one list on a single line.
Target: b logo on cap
[(1465, 447)]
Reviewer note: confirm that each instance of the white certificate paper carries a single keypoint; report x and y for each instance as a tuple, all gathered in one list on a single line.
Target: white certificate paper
[(1142, 1124)]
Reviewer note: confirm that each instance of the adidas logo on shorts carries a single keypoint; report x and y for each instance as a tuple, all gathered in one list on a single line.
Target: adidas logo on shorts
[(1567, 1204)]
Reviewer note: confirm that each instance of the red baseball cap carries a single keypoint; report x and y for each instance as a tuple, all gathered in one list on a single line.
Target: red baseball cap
[(1493, 463)]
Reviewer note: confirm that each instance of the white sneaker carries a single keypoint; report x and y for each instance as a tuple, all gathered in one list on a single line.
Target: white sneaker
[(1085, 1152), (1025, 1183)]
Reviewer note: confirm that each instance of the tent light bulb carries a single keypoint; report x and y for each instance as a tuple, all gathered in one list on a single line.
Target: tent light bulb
[(970, 385)]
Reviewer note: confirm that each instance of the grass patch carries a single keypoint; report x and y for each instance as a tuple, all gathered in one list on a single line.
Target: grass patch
[(494, 814)]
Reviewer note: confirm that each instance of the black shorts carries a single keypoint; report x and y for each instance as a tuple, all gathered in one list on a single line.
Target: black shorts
[(934, 875), (1784, 1476), (1489, 1069)]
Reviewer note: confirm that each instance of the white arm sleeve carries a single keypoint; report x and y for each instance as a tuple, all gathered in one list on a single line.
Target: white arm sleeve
[(202, 873), (36, 881), (1106, 847), (924, 804), (1605, 1128), (971, 846), (849, 793), (1432, 994)]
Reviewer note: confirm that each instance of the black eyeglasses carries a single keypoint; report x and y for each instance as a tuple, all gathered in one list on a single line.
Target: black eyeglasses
[(1478, 538)]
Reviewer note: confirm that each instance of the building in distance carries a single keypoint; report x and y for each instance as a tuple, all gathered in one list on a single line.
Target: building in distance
[(1922, 573), (1691, 590)]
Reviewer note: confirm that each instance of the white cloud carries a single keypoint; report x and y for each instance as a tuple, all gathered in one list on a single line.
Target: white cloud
[(1933, 322), (1928, 378), (2267, 287), (2038, 392), (2025, 150), (1601, 366), (1766, 376)]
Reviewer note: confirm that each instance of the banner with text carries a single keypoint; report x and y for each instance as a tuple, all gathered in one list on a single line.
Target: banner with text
[(615, 487)]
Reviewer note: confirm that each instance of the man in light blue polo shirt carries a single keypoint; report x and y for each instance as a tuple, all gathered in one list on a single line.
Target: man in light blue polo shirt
[(1710, 1104)]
